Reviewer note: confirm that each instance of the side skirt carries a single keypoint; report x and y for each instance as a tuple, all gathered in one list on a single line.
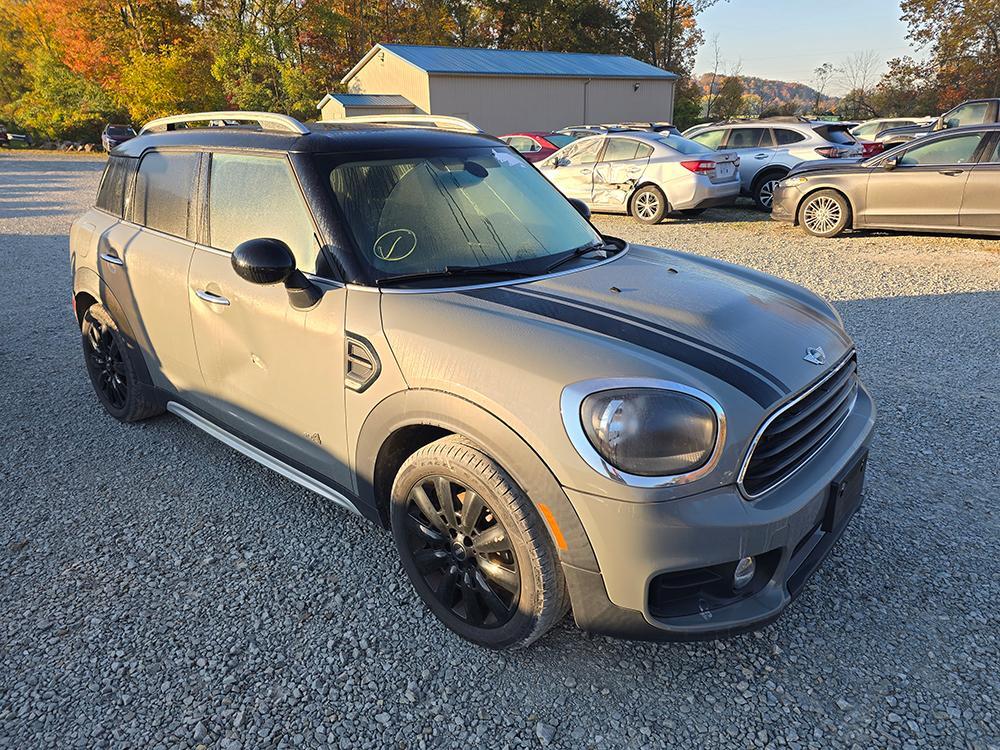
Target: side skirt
[(260, 456)]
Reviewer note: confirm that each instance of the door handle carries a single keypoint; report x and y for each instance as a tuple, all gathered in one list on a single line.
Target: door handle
[(586, 171), (634, 170), (760, 156), (215, 299), (112, 257), (952, 172)]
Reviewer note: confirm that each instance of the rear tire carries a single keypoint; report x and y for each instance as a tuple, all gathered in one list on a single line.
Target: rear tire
[(649, 204), (763, 189), (824, 213), (474, 547), (112, 369)]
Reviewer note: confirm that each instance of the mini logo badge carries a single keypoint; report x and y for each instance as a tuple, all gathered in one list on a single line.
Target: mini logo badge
[(816, 355)]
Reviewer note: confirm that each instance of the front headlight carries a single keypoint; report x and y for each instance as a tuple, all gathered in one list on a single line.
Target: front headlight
[(650, 432), (793, 182)]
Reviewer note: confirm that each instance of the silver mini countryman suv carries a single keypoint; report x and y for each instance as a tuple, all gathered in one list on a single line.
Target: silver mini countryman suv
[(414, 323)]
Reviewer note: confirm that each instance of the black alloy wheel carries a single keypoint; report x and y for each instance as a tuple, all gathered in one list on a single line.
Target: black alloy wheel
[(462, 551), (107, 362)]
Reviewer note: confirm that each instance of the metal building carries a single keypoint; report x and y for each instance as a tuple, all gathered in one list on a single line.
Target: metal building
[(505, 91)]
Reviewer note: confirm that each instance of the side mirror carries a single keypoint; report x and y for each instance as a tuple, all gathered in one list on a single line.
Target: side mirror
[(269, 261), (581, 208), (263, 261), (891, 163)]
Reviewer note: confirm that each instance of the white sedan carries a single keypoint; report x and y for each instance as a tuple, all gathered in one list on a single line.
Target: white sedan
[(647, 175)]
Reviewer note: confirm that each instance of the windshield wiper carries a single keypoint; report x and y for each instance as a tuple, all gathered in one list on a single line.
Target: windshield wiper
[(578, 251), (449, 272)]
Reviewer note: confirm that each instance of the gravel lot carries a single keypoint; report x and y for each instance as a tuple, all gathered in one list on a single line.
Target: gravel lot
[(159, 590)]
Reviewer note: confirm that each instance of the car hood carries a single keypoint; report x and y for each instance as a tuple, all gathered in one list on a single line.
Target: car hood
[(827, 165), (692, 314)]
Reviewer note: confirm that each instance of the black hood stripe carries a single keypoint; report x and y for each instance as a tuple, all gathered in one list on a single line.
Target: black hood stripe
[(764, 374), (760, 390)]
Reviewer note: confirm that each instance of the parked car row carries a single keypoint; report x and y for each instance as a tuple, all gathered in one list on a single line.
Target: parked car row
[(945, 182)]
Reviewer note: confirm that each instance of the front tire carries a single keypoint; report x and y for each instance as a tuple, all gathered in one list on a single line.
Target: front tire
[(824, 213), (473, 546), (112, 370), (649, 204)]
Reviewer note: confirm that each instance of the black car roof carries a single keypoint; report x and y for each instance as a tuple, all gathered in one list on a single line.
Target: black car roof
[(323, 138)]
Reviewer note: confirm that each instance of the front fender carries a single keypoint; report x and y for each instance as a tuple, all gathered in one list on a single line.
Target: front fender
[(463, 417)]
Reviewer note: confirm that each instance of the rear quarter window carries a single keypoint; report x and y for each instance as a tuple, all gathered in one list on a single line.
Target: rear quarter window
[(111, 194)]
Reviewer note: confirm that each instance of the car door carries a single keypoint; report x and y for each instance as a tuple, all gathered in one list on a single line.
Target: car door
[(144, 261), (755, 147), (925, 189), (573, 174), (271, 372), (622, 165), (981, 200)]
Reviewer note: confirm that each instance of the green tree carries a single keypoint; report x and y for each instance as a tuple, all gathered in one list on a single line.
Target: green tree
[(729, 102)]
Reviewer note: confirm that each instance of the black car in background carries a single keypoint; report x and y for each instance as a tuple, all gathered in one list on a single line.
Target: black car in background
[(115, 135)]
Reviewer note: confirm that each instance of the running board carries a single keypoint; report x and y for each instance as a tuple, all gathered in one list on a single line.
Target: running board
[(264, 459)]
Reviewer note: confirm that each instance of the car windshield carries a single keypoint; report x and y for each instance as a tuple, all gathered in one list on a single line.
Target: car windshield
[(454, 208), (119, 130), (559, 140), (683, 145)]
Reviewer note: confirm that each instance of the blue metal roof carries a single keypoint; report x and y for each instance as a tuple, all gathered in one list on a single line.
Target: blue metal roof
[(372, 100), (467, 61)]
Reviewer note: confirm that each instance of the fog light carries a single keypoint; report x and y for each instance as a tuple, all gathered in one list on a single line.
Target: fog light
[(743, 574)]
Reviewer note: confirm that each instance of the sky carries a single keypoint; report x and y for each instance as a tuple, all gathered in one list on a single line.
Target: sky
[(788, 39)]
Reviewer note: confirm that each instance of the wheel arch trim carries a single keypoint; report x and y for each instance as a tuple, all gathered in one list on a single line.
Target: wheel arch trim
[(456, 415)]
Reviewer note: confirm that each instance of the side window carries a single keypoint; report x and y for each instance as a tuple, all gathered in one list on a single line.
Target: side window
[(710, 138), (748, 138), (620, 149), (163, 192), (967, 114), (585, 152), (235, 217), (862, 131), (994, 157), (784, 136), (522, 144), (957, 150), (111, 195), (644, 151)]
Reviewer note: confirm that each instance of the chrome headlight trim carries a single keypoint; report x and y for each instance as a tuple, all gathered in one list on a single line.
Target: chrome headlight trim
[(571, 401)]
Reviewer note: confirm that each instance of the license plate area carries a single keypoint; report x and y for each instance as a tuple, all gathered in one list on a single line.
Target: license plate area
[(725, 170), (845, 493)]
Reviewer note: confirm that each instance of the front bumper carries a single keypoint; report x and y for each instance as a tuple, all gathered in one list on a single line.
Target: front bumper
[(634, 543), (784, 204)]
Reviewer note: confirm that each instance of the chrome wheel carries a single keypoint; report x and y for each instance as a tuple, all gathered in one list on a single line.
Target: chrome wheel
[(766, 193), (822, 214), (462, 552), (647, 205)]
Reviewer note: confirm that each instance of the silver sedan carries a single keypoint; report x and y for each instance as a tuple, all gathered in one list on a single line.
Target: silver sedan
[(647, 175)]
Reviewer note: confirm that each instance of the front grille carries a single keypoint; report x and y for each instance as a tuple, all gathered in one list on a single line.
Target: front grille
[(793, 434)]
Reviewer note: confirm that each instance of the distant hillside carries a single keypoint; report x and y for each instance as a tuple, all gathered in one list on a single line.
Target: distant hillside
[(776, 92)]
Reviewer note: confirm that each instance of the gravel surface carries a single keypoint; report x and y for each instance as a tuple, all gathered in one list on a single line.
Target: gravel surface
[(159, 590)]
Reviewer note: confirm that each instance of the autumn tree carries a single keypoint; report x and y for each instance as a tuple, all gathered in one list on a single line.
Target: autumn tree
[(964, 41)]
